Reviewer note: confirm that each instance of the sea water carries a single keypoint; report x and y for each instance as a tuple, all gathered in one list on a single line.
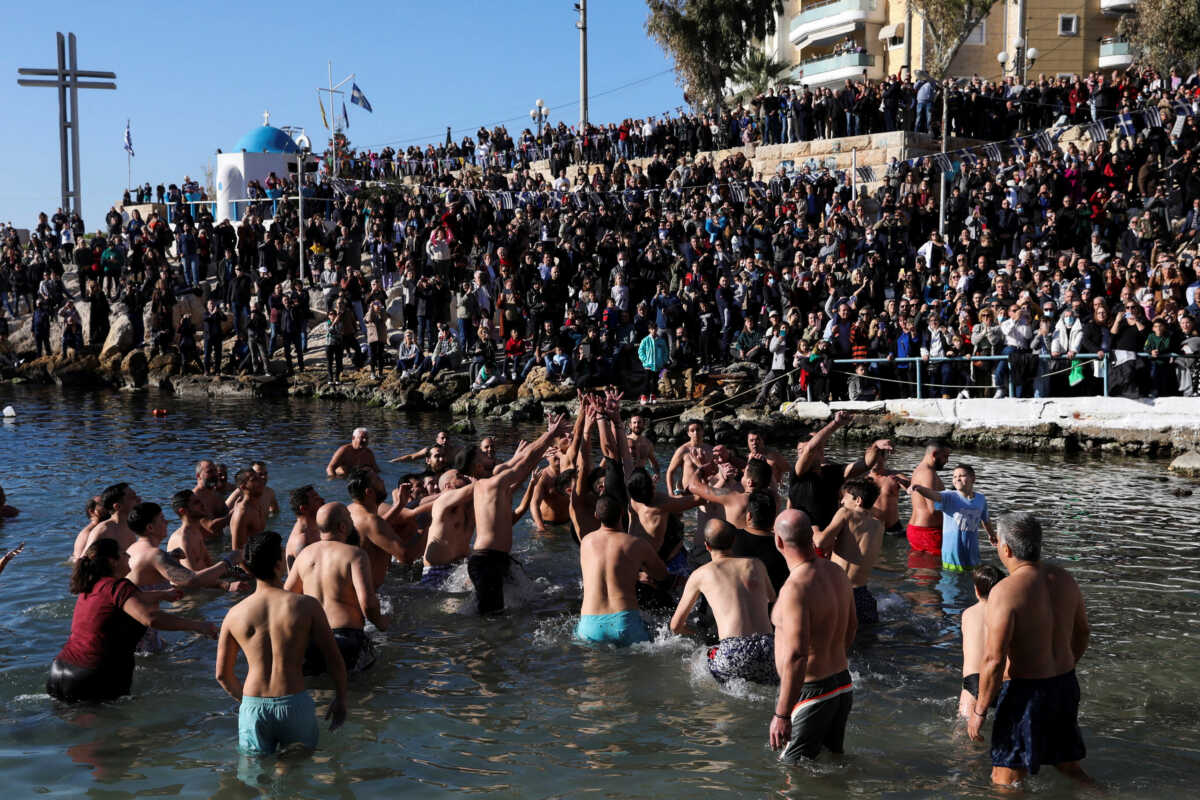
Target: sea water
[(513, 705)]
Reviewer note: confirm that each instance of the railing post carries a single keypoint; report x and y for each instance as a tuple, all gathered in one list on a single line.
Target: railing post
[(1104, 372), (1008, 360), (918, 365)]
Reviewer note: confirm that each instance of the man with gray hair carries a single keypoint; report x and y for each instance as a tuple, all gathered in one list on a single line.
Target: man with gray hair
[(350, 456), (815, 625), (1037, 625)]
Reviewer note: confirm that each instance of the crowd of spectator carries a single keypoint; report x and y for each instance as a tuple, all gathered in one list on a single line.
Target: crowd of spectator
[(1059, 271)]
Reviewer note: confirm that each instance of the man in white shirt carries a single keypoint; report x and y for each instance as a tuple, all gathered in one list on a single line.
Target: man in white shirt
[(1018, 333)]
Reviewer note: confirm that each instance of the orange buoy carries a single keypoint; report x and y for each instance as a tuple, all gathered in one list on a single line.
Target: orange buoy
[(159, 412)]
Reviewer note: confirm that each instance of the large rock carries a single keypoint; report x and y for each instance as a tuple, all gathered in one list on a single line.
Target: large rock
[(438, 395), (120, 337), (135, 368), (538, 387), (486, 400), (81, 373), (1187, 464)]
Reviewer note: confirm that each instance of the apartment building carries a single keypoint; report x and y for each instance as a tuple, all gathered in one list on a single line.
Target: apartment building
[(830, 41)]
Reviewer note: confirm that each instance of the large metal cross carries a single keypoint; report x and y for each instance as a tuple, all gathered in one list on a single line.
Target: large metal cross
[(67, 80)]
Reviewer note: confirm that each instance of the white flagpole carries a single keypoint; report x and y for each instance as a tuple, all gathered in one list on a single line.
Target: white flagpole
[(128, 161)]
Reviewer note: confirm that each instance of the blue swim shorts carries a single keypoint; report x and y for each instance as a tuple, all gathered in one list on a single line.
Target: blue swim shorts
[(268, 723), (622, 628)]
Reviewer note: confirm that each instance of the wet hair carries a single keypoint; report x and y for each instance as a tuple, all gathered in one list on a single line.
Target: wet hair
[(94, 564), (595, 475), (759, 471), (863, 489), (608, 512), (966, 468), (180, 500), (298, 497), (760, 510), (361, 479), (464, 462), (142, 515), (565, 479), (985, 577), (934, 444), (1022, 532), (719, 535), (796, 495), (94, 504), (113, 495), (261, 553), (640, 486), (243, 475)]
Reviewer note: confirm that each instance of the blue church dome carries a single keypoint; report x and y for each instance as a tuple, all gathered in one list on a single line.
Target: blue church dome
[(266, 139)]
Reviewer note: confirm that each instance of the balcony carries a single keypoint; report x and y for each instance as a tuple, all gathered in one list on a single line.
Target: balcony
[(831, 69), (831, 19), (1112, 7), (1114, 53)]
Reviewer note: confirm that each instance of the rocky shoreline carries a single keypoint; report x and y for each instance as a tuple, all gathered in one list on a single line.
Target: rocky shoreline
[(1081, 425)]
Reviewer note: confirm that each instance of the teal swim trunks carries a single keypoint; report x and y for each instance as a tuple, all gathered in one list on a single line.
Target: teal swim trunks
[(268, 723), (622, 628)]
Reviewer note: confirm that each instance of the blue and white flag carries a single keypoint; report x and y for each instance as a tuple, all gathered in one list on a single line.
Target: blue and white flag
[(943, 162), (1182, 109), (1018, 147), (1041, 140), (345, 117), (866, 174), (992, 151), (1152, 118), (358, 98), (128, 139), (1125, 124), (1095, 131)]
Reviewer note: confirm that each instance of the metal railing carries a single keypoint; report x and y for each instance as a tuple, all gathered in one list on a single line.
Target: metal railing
[(827, 8)]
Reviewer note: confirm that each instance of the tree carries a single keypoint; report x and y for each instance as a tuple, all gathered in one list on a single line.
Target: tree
[(708, 38), (757, 72), (950, 22), (1166, 32)]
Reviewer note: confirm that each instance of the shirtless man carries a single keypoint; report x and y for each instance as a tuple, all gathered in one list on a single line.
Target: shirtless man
[(490, 560), (187, 541), (757, 539), (487, 446), (304, 502), (152, 569), (890, 482), (925, 524), (610, 560), (377, 536), (853, 541), (349, 456), (117, 501), (223, 487), (739, 592), (756, 446), (817, 481), (450, 529), (442, 440), (814, 628), (640, 447), (700, 453), (1036, 631), (214, 513), (654, 517), (551, 505), (731, 496), (95, 515), (984, 578), (249, 516), (270, 506), (273, 628), (338, 576)]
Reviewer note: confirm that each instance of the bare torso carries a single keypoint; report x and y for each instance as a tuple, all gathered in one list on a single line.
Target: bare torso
[(1043, 604), (858, 545), (451, 527), (923, 512), (273, 627), (739, 593), (819, 593), (324, 571), (610, 561)]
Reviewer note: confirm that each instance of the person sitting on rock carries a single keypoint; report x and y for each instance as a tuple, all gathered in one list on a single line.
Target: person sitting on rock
[(558, 366)]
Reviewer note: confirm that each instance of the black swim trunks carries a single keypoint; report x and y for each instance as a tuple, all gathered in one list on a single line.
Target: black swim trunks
[(358, 653), (895, 530), (819, 717), (971, 684), (488, 569), (71, 683), (1037, 722), (865, 607)]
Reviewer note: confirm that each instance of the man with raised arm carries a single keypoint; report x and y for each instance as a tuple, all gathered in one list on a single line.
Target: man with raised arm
[(376, 536), (349, 457), (1036, 630), (610, 560), (338, 576), (732, 496), (442, 440), (814, 628), (817, 481), (273, 628), (739, 592), (266, 498), (490, 560), (451, 526)]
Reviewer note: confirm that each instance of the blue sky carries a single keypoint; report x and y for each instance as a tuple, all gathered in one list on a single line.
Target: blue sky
[(193, 82)]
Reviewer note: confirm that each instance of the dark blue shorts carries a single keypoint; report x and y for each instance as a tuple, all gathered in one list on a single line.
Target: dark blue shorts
[(1037, 722)]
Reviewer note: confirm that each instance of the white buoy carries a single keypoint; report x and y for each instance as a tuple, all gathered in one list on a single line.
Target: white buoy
[(9, 411)]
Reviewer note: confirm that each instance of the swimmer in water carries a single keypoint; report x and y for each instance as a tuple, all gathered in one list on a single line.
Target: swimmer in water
[(270, 506), (853, 541), (348, 457), (117, 501), (551, 505), (984, 578), (95, 514), (756, 448), (249, 517), (377, 537), (338, 576), (610, 560), (214, 512), (640, 447), (274, 628), (732, 496), (451, 527), (442, 440), (890, 482), (963, 511), (739, 592), (187, 542), (151, 569), (304, 502), (701, 454), (925, 525), (223, 486)]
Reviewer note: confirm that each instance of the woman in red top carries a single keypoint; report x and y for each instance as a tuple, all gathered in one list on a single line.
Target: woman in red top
[(111, 614)]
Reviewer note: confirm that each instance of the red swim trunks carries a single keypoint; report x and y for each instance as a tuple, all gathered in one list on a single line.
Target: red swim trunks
[(925, 539)]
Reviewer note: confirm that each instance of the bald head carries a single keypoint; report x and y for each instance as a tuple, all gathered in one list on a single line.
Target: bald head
[(794, 529), (334, 521), (719, 535), (451, 479)]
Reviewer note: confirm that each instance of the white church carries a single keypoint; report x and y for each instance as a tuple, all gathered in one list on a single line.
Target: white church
[(263, 150)]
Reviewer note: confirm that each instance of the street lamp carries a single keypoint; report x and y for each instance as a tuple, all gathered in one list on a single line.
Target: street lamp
[(539, 114), (1021, 60)]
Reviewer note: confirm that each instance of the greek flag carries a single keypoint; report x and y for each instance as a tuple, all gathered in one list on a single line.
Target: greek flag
[(943, 162), (866, 174), (1018, 147), (1125, 124), (1152, 118), (1041, 140), (1182, 109), (345, 117), (992, 151), (358, 98), (128, 139), (1095, 131)]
